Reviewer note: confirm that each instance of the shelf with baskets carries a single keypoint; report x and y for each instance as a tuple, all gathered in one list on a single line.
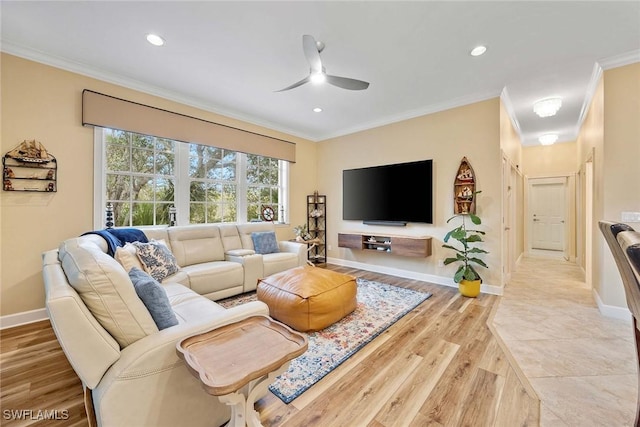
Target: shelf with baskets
[(317, 228)]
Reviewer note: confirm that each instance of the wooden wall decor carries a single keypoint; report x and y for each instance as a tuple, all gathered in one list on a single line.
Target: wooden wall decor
[(464, 189), (29, 167)]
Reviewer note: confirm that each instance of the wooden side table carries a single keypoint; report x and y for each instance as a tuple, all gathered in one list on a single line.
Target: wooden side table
[(252, 352)]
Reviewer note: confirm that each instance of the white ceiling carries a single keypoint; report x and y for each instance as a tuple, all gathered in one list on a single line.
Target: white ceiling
[(231, 57)]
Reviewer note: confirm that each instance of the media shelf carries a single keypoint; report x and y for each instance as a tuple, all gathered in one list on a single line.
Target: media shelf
[(419, 247)]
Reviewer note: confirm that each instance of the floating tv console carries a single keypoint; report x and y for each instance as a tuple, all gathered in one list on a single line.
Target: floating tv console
[(397, 245)]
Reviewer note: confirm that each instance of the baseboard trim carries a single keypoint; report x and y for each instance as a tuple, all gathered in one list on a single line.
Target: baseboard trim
[(612, 311), (431, 278), (26, 317)]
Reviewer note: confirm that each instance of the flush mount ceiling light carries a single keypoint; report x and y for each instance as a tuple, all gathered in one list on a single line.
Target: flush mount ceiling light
[(547, 107), (155, 39), (548, 139), (478, 50), (317, 110)]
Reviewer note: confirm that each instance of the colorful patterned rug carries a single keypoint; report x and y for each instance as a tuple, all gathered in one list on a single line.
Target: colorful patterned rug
[(379, 306)]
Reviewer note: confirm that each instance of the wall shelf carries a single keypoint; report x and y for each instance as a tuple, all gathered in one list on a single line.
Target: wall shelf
[(20, 175), (409, 246), (317, 227)]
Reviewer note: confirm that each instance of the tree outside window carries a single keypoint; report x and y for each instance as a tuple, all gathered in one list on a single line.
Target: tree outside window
[(142, 182)]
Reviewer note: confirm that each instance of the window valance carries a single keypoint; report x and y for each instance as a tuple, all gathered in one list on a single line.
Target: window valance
[(111, 112)]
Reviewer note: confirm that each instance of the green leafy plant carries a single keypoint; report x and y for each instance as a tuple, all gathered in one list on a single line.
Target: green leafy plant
[(466, 255), (302, 231)]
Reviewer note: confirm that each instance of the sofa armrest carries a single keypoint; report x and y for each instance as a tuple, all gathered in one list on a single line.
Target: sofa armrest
[(157, 352), (253, 266), (298, 248)]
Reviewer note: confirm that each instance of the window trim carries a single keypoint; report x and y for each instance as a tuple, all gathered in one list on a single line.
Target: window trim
[(181, 174)]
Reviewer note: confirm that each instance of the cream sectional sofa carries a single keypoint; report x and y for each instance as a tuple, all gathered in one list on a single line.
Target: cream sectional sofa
[(129, 368)]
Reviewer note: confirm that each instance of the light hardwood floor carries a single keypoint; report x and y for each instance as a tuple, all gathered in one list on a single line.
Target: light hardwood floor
[(440, 365)]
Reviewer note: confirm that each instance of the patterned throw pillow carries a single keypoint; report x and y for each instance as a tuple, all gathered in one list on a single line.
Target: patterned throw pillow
[(264, 242), (154, 297), (157, 259)]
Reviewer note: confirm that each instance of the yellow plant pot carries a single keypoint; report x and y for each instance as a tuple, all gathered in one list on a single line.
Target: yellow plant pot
[(469, 288)]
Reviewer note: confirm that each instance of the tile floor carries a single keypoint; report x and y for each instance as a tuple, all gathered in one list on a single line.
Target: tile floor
[(580, 364)]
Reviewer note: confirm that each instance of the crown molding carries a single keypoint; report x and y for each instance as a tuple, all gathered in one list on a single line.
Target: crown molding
[(508, 106), (596, 75), (412, 114), (620, 60), (89, 71)]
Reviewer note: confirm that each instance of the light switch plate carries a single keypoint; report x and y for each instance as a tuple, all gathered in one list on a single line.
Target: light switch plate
[(630, 216)]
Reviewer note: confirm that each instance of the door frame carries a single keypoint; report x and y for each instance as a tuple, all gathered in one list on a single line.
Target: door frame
[(557, 179), (510, 214)]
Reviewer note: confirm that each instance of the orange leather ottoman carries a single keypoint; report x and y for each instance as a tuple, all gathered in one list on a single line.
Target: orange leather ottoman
[(308, 298)]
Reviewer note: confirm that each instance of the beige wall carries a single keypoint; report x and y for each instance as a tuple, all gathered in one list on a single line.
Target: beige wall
[(472, 131), (550, 160), (609, 137), (510, 142), (44, 103), (511, 147), (621, 186)]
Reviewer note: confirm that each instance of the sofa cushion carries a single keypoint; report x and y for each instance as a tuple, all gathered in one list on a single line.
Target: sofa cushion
[(106, 290), (277, 262), (127, 256), (264, 242), (154, 297), (210, 277), (230, 237), (157, 259), (196, 244), (190, 306), (246, 229)]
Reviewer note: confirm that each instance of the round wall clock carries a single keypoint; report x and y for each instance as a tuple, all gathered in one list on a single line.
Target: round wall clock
[(268, 214)]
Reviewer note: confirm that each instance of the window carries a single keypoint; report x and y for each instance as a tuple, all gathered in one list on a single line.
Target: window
[(143, 176)]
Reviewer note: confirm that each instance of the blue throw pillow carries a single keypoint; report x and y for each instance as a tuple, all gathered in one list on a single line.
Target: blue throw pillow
[(154, 297), (264, 242)]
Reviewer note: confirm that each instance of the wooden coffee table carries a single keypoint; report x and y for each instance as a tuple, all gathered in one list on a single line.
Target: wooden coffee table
[(251, 352)]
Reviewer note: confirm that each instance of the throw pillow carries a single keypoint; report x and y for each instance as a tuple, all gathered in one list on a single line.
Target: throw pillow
[(264, 242), (154, 297), (127, 257), (156, 259)]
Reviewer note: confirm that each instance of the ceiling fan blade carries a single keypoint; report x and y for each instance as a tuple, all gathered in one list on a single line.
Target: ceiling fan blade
[(310, 48), (347, 83), (300, 83)]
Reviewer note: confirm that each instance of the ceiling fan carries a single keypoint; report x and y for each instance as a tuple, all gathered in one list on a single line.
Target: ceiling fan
[(317, 73)]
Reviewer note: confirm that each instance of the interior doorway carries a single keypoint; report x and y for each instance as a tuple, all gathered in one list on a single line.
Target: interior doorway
[(547, 216)]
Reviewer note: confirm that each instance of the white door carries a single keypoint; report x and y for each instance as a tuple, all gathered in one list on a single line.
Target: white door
[(547, 213)]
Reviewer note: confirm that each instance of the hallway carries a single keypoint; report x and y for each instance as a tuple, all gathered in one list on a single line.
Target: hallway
[(579, 363)]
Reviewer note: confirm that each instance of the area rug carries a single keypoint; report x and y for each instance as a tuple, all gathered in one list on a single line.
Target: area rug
[(379, 306)]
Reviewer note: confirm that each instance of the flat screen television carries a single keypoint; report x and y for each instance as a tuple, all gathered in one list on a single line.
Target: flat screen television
[(392, 194)]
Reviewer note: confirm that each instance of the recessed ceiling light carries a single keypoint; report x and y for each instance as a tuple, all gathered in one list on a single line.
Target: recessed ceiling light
[(547, 107), (548, 139), (155, 39), (478, 50), (317, 110)]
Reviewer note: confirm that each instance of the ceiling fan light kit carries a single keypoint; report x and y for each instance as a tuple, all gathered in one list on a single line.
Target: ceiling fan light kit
[(317, 72)]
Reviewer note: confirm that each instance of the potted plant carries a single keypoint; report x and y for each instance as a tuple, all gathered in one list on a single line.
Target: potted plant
[(466, 275)]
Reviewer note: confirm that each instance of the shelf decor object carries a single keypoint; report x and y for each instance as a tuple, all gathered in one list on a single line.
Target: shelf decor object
[(317, 228), (29, 167), (464, 189)]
